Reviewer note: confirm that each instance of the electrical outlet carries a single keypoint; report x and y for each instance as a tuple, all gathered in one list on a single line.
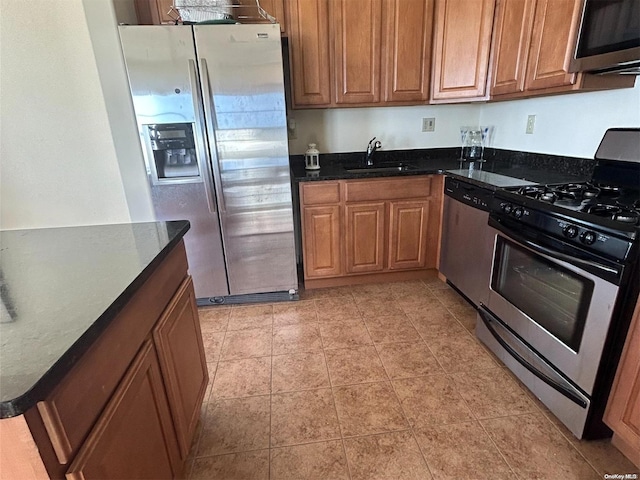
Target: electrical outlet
[(428, 124), (531, 123)]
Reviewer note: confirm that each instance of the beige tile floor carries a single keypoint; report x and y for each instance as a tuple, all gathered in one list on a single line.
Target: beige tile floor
[(373, 382)]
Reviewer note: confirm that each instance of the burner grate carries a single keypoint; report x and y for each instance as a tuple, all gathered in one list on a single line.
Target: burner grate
[(614, 212), (603, 200)]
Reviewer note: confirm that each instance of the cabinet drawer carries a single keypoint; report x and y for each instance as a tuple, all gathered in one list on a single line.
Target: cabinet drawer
[(387, 189), (320, 193), (75, 404)]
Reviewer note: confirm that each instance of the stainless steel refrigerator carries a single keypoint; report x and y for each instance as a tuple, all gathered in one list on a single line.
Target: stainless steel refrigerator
[(210, 108)]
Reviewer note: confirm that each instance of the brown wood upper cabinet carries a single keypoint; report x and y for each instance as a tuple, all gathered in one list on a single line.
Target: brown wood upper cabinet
[(514, 22), (406, 50), (155, 12), (359, 52), (462, 42), (532, 46), (309, 52), (357, 49)]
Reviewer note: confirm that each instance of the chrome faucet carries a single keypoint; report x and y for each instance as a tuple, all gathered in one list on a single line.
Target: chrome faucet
[(371, 149)]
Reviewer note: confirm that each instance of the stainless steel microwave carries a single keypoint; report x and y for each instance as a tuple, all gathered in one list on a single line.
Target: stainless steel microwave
[(609, 38)]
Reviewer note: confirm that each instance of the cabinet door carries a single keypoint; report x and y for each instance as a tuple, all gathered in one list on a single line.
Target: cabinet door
[(357, 48), (407, 50), (309, 49), (623, 409), (275, 8), (462, 38), (155, 12), (365, 237), (178, 340), (134, 437), (321, 241), (554, 32), (512, 37), (408, 234)]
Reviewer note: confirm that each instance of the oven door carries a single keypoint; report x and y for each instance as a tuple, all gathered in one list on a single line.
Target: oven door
[(553, 299)]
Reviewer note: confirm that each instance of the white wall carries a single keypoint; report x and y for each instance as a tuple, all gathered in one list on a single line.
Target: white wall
[(58, 162), (571, 125), (101, 21), (350, 129)]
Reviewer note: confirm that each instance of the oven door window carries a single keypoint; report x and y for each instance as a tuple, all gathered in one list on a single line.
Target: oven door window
[(555, 298)]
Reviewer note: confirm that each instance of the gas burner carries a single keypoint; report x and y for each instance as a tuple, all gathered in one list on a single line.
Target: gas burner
[(603, 210), (572, 190), (532, 191), (607, 189), (577, 191), (591, 192), (614, 212), (627, 216), (548, 197)]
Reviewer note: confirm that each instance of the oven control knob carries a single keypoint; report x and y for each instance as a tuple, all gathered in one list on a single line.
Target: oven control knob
[(517, 212), (507, 208), (570, 231), (588, 238)]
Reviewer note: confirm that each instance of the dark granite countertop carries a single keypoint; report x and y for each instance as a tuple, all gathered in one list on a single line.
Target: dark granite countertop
[(529, 167), (59, 289)]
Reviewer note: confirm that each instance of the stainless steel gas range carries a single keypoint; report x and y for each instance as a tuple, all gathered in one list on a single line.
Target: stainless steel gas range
[(565, 277)]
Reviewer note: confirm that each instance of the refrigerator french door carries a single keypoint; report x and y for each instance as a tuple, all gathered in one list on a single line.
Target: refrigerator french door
[(209, 102)]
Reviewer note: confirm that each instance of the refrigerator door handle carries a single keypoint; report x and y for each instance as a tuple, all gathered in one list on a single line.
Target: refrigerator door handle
[(203, 153), (209, 106)]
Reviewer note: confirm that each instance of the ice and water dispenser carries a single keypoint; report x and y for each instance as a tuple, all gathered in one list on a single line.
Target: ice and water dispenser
[(174, 150)]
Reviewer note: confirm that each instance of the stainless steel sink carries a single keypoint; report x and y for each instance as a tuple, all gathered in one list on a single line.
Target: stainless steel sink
[(382, 169)]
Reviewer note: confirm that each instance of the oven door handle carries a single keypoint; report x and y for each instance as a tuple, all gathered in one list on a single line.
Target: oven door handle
[(543, 370), (554, 253)]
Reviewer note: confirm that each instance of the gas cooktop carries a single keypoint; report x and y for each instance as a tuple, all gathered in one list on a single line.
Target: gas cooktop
[(601, 200), (601, 216), (610, 200)]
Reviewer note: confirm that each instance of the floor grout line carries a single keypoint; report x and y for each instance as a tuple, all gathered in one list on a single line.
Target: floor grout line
[(335, 408), (404, 413), (271, 395)]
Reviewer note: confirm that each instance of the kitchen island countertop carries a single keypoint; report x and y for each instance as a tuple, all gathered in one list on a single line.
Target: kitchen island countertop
[(59, 289)]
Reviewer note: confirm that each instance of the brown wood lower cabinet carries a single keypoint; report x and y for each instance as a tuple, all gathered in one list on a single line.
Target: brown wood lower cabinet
[(359, 231), (130, 405), (134, 437), (408, 227), (178, 340), (322, 248), (365, 234), (623, 410)]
